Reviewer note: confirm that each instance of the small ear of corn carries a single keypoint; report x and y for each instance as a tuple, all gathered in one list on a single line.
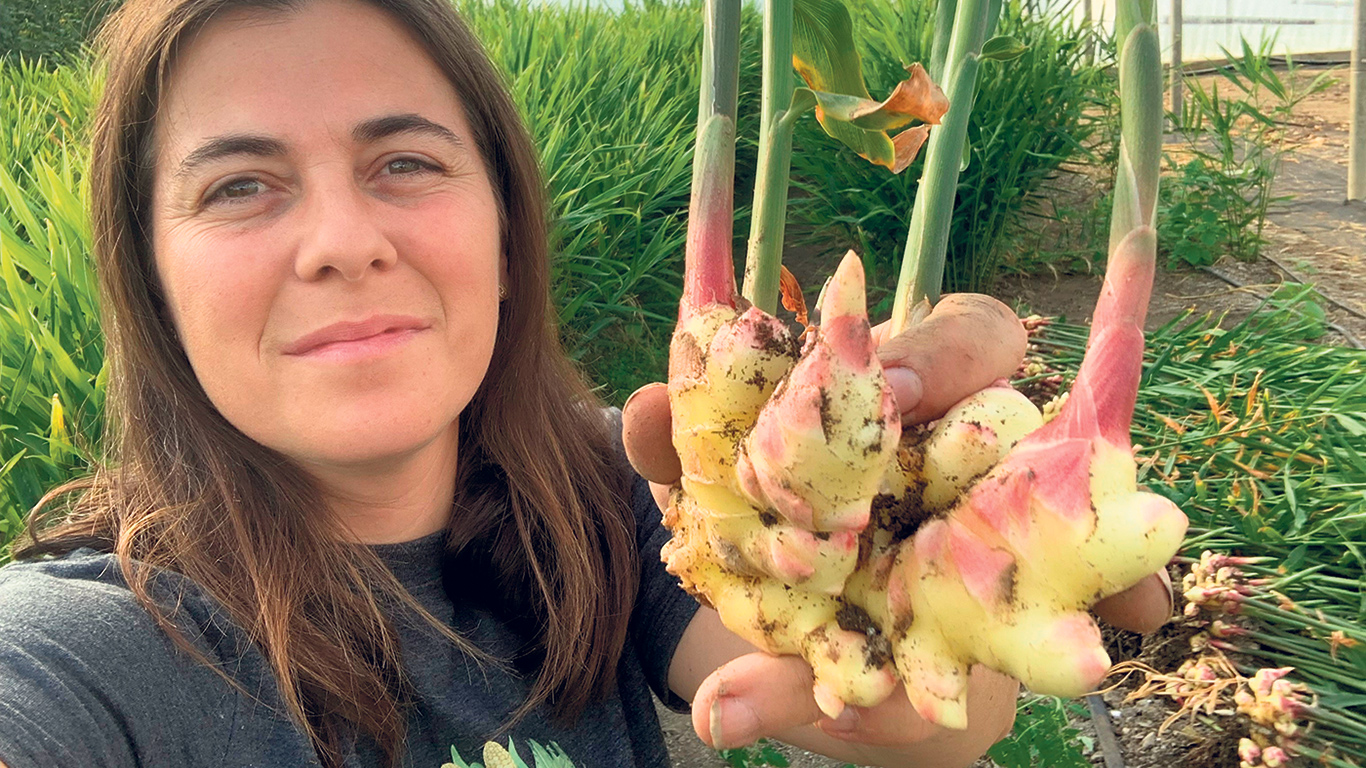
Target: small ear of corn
[(497, 757)]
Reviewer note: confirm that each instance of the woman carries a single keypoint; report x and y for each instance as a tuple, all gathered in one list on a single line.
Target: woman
[(357, 506)]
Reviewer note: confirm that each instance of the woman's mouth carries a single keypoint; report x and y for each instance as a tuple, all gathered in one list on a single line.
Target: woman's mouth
[(349, 341)]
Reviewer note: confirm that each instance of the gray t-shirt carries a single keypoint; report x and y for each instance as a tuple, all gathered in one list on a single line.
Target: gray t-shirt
[(87, 678)]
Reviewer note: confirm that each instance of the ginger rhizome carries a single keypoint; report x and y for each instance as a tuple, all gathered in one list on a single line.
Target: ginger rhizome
[(815, 528), (817, 525)]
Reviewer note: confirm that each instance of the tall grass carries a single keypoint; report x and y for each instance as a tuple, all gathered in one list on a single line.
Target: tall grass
[(610, 101), (50, 30), (51, 350)]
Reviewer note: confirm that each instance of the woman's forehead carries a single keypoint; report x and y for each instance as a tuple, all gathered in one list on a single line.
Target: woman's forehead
[(326, 65)]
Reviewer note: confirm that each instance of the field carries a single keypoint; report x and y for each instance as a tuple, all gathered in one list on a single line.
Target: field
[(1252, 414)]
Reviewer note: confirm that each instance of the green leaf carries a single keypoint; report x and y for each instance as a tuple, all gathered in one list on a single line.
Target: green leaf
[(1002, 48), (823, 49), (826, 57), (1356, 428), (20, 388), (1295, 559)]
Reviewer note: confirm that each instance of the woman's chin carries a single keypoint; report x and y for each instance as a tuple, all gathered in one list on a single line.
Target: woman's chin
[(373, 453)]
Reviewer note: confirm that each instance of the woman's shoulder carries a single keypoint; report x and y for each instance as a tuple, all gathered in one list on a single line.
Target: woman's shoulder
[(80, 582), (83, 579), (87, 674), (83, 596)]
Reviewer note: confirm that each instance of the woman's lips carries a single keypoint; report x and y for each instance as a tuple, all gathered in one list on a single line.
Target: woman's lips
[(370, 346), (355, 340)]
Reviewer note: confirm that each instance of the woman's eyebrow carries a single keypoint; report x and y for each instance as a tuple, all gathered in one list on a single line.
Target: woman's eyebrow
[(219, 147), (366, 132), (380, 127)]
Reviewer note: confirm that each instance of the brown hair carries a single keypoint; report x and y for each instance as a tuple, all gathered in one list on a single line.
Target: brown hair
[(182, 489)]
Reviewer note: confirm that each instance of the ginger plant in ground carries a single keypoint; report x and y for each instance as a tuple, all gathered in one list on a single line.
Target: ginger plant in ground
[(817, 526)]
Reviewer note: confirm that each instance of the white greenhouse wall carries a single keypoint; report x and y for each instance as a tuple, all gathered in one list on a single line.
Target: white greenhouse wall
[(1299, 26)]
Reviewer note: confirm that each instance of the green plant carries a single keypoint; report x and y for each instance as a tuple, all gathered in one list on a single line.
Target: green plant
[(1196, 220), (45, 112), (53, 30), (51, 350), (1030, 116), (763, 753), (1302, 300), (1043, 736), (495, 756), (1235, 147)]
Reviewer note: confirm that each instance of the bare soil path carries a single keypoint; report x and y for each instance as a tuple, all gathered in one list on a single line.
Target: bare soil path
[(1315, 238)]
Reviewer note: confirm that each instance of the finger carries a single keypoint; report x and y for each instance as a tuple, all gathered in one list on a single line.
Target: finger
[(759, 695), (646, 432), (892, 723), (661, 494), (753, 696), (1143, 607), (967, 342)]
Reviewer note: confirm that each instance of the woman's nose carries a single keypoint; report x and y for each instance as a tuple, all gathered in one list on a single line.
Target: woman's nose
[(342, 234)]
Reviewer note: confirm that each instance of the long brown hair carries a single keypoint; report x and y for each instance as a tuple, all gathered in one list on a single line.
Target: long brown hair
[(182, 489)]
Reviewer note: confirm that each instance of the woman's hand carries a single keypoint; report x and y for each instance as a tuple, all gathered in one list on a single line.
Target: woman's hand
[(968, 342)]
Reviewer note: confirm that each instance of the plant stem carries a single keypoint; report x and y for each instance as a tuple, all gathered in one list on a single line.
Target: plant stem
[(709, 273), (922, 264), (720, 61), (1141, 115), (763, 261), (943, 31)]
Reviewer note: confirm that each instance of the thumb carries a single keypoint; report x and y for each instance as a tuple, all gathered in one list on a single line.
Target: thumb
[(753, 696), (967, 342), (646, 433)]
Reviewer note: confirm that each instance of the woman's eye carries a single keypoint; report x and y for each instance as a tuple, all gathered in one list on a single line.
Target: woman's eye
[(407, 165), (241, 188)]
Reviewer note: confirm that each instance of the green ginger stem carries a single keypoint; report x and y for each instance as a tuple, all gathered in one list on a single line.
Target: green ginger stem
[(1141, 114), (927, 242), (763, 260), (944, 15), (720, 61), (709, 273)]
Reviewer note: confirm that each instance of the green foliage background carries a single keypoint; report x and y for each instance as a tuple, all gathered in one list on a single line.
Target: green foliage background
[(48, 29)]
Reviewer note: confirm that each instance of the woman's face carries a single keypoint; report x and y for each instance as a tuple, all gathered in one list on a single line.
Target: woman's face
[(326, 233)]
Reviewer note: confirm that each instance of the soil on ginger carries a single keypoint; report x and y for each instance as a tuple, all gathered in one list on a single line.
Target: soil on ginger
[(1313, 238)]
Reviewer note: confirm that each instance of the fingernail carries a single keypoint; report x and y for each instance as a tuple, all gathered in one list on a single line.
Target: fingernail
[(627, 405), (733, 723), (907, 387), (845, 723), (1166, 580)]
